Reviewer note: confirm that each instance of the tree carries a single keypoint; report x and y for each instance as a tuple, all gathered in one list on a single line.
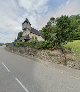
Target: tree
[(48, 32), (19, 35), (57, 30), (75, 26), (63, 30)]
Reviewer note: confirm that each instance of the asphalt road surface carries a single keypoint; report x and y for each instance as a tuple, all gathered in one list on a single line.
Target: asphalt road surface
[(20, 74)]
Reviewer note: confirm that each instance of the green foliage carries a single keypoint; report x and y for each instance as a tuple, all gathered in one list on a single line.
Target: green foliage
[(75, 26), (44, 45), (33, 38), (49, 32), (74, 46), (62, 29), (35, 44), (22, 44), (58, 31), (63, 32), (19, 35)]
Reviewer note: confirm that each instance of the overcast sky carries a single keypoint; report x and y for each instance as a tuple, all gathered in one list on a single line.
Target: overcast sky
[(14, 12)]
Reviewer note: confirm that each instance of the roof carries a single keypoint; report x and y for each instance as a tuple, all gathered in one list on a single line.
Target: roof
[(34, 31), (26, 21)]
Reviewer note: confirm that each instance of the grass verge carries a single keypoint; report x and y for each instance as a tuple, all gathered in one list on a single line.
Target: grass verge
[(74, 47)]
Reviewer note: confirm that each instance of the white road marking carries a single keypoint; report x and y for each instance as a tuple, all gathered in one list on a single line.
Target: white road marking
[(5, 67), (26, 90)]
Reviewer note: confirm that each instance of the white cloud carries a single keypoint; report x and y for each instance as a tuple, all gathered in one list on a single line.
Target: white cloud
[(6, 37), (8, 21), (71, 7), (33, 5), (34, 10), (14, 12)]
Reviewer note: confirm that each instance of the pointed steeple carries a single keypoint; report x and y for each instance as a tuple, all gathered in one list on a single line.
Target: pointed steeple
[(26, 21)]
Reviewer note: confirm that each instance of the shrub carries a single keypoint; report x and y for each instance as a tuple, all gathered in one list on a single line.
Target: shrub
[(35, 44)]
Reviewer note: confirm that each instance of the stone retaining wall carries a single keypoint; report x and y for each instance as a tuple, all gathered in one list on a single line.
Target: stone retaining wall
[(55, 56)]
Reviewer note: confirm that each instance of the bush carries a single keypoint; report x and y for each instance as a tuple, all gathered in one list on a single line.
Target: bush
[(35, 44), (45, 45), (22, 44)]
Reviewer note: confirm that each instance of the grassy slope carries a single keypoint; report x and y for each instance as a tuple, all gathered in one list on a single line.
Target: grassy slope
[(74, 46)]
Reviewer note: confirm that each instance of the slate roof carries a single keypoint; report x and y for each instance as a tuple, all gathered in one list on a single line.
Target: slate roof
[(34, 31)]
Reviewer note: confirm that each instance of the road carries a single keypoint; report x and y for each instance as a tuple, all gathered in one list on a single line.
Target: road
[(20, 74)]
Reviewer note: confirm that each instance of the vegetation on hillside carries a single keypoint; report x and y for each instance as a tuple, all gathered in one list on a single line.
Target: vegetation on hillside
[(74, 47), (62, 29), (57, 32), (19, 36)]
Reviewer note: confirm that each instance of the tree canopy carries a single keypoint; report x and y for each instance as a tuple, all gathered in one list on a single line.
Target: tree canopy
[(62, 29), (19, 35)]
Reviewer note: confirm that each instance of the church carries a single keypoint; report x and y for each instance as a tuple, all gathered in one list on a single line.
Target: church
[(30, 33)]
